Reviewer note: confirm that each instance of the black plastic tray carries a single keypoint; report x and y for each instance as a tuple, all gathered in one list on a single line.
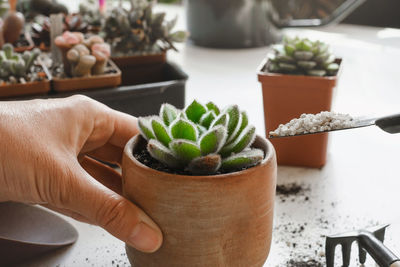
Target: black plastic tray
[(138, 100)]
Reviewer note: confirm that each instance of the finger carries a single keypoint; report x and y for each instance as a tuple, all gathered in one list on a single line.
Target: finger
[(125, 128), (108, 153), (111, 211), (102, 173), (68, 213)]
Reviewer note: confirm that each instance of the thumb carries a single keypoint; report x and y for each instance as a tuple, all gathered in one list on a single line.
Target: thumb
[(112, 212)]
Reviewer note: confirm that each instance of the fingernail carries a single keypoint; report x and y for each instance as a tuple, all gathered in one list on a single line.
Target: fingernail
[(144, 238)]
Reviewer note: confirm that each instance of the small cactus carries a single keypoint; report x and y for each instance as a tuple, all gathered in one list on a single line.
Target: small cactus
[(303, 57), (16, 65), (201, 139)]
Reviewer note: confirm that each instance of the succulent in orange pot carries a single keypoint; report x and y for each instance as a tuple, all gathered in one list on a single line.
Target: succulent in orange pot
[(20, 73), (204, 176), (298, 77)]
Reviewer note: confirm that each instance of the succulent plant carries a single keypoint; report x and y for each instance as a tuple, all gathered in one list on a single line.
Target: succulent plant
[(139, 30), (83, 57), (91, 14), (16, 66), (303, 57), (201, 139)]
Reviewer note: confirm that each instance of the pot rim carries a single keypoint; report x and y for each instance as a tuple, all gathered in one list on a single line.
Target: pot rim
[(262, 73), (268, 158)]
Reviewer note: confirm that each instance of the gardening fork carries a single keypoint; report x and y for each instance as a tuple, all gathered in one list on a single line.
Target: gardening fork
[(370, 241)]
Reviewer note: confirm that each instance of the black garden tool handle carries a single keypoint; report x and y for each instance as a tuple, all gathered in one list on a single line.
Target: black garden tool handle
[(378, 251), (390, 124)]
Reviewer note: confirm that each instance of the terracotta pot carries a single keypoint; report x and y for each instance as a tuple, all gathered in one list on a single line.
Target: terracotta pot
[(23, 89), (91, 82), (141, 69), (288, 96), (217, 220)]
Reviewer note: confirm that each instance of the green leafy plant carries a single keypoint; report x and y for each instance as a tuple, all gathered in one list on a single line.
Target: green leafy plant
[(140, 30), (303, 57), (16, 67), (201, 139)]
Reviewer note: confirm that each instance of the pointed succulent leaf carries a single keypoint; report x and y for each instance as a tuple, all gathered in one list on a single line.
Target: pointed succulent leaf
[(236, 130), (317, 72), (243, 125), (168, 113), (171, 24), (285, 59), (306, 64), (194, 111), (184, 150), (234, 116), (160, 131), (184, 129), (333, 67), (179, 36), (290, 49), (211, 106), (201, 129), (162, 154), (213, 140), (303, 55), (209, 164), (287, 67), (242, 160), (145, 128), (245, 139), (157, 18), (304, 45), (222, 119), (329, 60), (207, 118)]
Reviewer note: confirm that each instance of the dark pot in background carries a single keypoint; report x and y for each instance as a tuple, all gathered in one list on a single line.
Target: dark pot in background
[(254, 23), (229, 23), (140, 69)]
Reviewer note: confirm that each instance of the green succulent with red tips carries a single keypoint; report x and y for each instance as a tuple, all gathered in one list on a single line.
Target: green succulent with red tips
[(201, 139)]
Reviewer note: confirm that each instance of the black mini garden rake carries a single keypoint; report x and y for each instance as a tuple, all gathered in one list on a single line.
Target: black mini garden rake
[(370, 241)]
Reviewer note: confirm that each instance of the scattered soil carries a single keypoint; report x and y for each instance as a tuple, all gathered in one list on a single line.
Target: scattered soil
[(309, 263), (292, 192)]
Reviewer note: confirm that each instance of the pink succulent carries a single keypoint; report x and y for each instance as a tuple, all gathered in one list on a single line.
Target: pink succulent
[(102, 48)]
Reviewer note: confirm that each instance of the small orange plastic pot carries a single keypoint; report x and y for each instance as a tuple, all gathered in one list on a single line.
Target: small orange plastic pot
[(286, 97), (217, 220)]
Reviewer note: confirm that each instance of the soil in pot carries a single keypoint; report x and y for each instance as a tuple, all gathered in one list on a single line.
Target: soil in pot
[(40, 84), (200, 224)]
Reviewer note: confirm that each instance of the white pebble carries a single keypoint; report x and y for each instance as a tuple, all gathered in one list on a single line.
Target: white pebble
[(311, 123)]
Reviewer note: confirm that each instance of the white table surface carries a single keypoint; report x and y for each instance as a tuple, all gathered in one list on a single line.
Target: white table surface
[(357, 188)]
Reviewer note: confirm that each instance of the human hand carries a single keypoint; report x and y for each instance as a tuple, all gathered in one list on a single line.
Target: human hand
[(48, 152)]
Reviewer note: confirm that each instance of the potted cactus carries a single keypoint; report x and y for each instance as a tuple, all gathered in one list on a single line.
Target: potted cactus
[(298, 77), (203, 176), (139, 40), (86, 63), (20, 73)]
